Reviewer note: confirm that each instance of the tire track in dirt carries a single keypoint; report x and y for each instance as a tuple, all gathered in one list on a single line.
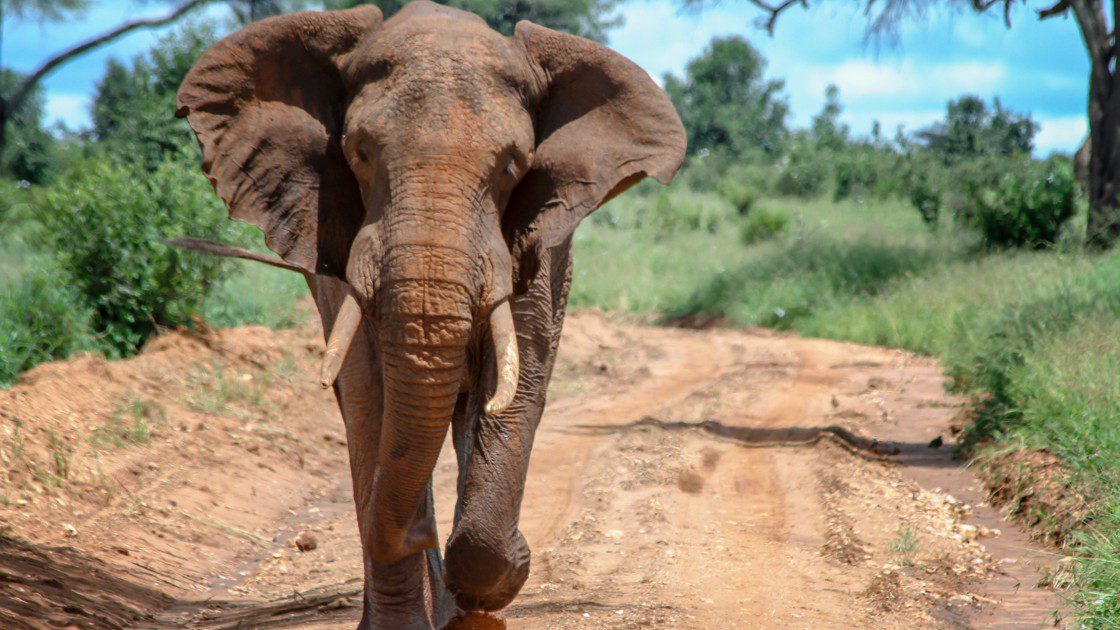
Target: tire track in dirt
[(680, 479)]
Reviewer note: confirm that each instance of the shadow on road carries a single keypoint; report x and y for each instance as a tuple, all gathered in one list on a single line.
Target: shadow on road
[(57, 586), (908, 453)]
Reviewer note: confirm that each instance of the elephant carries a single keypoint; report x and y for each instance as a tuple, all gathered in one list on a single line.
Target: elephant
[(425, 173)]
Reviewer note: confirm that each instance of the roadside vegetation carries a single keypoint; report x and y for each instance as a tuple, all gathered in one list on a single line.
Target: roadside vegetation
[(952, 241)]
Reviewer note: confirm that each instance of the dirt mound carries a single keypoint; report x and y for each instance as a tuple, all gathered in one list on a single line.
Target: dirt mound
[(1034, 487)]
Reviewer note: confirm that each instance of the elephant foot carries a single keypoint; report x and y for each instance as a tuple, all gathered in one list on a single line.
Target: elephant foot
[(485, 577), (408, 594)]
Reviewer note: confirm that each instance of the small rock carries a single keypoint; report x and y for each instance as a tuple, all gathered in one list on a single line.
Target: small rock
[(71, 531), (835, 401), (936, 442), (968, 532), (305, 542)]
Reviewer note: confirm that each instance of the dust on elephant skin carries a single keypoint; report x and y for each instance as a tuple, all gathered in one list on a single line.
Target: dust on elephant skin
[(425, 173)]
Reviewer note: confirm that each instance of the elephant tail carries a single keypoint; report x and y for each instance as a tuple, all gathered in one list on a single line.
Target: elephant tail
[(216, 248)]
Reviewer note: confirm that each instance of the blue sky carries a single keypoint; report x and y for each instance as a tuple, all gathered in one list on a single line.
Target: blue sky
[(1036, 67)]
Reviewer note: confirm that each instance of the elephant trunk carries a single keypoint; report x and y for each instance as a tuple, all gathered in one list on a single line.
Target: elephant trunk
[(424, 332)]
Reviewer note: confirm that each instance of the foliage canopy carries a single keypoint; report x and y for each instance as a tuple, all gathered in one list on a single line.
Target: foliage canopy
[(725, 102)]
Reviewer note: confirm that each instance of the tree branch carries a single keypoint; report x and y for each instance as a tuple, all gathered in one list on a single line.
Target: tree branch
[(774, 11), (26, 86), (1058, 9)]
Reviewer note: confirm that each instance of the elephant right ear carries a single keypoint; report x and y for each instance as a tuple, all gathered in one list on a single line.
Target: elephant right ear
[(268, 104)]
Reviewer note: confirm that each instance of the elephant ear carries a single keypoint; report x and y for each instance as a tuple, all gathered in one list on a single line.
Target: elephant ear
[(268, 104), (602, 125)]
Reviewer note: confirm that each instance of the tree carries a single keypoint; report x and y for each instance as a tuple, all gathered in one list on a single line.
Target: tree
[(826, 131), (587, 18), (1103, 47), (132, 105), (11, 102), (971, 130), (726, 104), (26, 155), (42, 9)]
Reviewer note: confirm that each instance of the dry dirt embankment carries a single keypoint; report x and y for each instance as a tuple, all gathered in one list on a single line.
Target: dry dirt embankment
[(680, 479)]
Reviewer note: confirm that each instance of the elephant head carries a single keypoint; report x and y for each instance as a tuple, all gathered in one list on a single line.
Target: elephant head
[(425, 161)]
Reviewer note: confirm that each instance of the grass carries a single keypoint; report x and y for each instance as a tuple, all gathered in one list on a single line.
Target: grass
[(1034, 333), (130, 423), (256, 294), (215, 390), (905, 543)]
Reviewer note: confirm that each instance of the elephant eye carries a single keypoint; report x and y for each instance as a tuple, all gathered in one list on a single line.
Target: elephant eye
[(360, 153)]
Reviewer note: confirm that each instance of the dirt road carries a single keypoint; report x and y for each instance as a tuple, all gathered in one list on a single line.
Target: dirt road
[(681, 479)]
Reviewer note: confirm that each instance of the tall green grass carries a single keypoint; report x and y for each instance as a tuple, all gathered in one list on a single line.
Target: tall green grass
[(256, 294)]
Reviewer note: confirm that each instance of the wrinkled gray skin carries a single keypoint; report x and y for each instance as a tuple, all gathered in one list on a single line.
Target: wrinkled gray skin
[(432, 170)]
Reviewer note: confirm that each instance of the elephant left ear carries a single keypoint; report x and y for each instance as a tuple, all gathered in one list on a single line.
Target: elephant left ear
[(602, 125)]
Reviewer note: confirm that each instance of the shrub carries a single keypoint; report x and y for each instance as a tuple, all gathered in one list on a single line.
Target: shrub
[(677, 209), (761, 225), (866, 171), (1027, 207), (106, 223), (41, 318), (804, 174), (925, 197), (854, 178), (740, 194)]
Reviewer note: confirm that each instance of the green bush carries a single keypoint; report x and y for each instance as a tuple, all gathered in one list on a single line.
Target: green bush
[(761, 225), (867, 172), (925, 198), (805, 173), (741, 195), (677, 209), (41, 318), (854, 178), (106, 223), (1026, 208)]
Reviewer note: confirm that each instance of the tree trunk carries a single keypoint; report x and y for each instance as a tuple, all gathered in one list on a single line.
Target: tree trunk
[(1104, 157)]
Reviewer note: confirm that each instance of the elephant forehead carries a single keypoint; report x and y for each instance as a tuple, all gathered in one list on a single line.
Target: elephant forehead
[(458, 57)]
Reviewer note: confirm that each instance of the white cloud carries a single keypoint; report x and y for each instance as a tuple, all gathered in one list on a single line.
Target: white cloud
[(1060, 133), (860, 79), (71, 110)]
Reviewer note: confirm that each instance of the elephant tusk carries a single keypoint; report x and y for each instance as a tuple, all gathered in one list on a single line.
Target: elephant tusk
[(505, 349), (342, 333)]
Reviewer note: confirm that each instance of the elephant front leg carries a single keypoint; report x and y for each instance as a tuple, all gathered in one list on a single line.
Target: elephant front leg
[(487, 560)]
